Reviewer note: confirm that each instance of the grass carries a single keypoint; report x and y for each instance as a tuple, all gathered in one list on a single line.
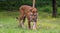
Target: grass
[(45, 24)]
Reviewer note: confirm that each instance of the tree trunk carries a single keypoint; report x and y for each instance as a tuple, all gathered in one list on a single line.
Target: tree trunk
[(33, 4), (54, 14)]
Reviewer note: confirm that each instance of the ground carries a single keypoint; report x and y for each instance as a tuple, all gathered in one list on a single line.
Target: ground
[(45, 23)]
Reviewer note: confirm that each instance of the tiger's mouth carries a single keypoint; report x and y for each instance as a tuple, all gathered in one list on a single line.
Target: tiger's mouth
[(33, 17), (33, 20)]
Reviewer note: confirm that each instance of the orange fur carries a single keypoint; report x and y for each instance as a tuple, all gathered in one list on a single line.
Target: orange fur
[(27, 12)]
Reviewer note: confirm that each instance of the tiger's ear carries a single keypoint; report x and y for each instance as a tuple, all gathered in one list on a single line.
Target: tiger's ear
[(31, 10)]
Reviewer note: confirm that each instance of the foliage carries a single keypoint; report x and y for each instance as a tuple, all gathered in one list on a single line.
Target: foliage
[(15, 4)]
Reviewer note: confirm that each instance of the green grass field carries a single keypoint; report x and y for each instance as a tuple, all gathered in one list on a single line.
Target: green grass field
[(45, 24)]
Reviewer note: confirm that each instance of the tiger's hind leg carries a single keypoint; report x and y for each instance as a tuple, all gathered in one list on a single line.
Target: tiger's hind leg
[(21, 21)]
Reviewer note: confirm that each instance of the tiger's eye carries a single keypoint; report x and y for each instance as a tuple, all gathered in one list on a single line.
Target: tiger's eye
[(31, 14), (35, 14)]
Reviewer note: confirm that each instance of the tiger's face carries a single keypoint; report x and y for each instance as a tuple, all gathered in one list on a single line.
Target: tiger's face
[(33, 15)]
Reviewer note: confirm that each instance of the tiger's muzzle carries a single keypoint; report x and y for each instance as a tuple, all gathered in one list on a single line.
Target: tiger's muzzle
[(33, 17)]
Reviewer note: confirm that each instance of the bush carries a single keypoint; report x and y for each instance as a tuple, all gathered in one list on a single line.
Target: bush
[(47, 10)]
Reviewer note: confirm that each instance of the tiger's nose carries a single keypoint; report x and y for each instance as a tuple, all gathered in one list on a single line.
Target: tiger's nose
[(33, 17)]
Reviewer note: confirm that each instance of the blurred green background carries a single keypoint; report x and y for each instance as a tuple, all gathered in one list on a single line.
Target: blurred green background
[(42, 5), (45, 24)]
